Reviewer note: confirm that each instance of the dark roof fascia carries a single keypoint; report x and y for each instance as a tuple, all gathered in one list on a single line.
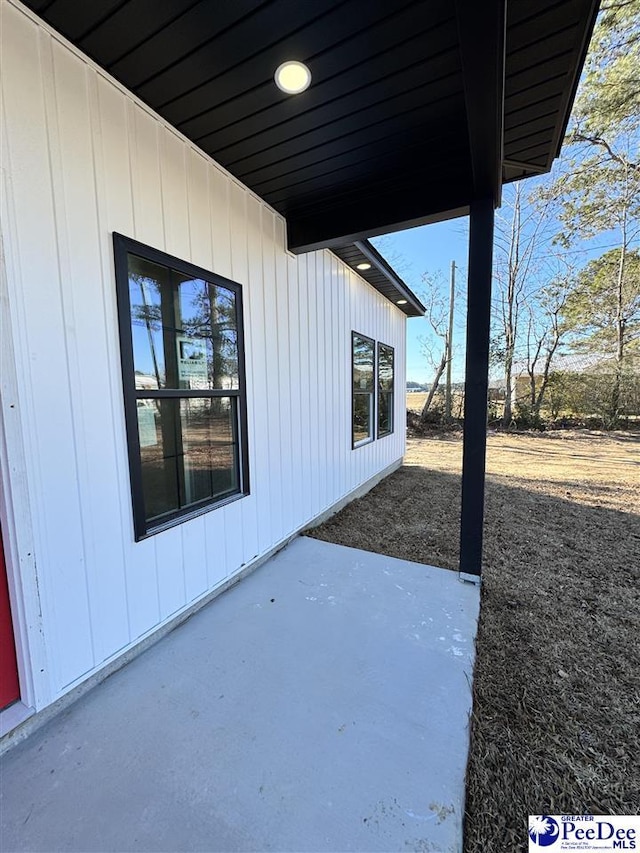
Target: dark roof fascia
[(300, 239), (370, 252), (570, 91)]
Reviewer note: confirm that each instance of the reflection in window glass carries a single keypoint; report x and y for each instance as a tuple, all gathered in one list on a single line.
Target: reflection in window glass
[(361, 417), (158, 455), (385, 390), (224, 330), (188, 450), (184, 330), (146, 282), (209, 448), (363, 388), (362, 364)]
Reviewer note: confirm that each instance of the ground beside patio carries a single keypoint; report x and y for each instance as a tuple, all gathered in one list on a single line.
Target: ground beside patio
[(556, 725)]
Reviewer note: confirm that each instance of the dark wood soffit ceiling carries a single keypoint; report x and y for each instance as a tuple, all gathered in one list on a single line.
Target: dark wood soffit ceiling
[(381, 138)]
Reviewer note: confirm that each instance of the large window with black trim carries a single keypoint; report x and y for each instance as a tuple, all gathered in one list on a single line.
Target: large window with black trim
[(182, 351), (372, 368)]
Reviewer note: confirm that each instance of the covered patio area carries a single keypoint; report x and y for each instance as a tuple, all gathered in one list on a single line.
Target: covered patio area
[(322, 704)]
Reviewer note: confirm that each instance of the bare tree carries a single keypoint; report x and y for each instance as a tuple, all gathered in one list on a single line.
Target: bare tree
[(545, 331), (435, 346), (522, 239)]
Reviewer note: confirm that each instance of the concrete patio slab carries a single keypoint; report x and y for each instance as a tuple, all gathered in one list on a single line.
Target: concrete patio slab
[(321, 704)]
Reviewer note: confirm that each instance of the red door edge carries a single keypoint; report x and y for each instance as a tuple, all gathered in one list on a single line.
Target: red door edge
[(9, 683)]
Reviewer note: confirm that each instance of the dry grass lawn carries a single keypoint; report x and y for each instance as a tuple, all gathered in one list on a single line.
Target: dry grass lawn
[(556, 719)]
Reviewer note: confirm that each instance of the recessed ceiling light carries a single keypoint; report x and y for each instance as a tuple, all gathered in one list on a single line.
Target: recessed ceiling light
[(292, 77), (363, 266), (401, 301)]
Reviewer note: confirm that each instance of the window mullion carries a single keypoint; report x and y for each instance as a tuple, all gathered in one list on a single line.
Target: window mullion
[(164, 393)]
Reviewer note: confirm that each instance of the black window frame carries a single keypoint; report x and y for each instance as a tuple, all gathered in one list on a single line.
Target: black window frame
[(123, 246), (384, 433), (376, 432), (363, 442)]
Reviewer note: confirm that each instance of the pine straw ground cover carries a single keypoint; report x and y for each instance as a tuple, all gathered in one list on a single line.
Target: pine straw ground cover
[(556, 697)]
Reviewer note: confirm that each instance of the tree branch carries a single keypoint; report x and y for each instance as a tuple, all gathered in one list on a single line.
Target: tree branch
[(602, 143)]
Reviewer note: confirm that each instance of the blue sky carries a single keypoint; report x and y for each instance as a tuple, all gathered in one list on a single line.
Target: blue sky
[(430, 249)]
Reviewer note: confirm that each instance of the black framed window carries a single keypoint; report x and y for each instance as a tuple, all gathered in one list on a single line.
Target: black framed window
[(363, 397), (182, 351), (385, 389)]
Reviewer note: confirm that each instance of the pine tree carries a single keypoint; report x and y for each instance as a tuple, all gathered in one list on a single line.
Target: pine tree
[(599, 184)]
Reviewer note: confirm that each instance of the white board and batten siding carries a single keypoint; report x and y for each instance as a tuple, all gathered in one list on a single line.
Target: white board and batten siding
[(81, 159)]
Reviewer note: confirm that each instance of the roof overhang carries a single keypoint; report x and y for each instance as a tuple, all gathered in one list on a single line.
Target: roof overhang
[(380, 275), (416, 107)]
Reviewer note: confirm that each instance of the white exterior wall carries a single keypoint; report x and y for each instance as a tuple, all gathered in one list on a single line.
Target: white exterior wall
[(83, 158)]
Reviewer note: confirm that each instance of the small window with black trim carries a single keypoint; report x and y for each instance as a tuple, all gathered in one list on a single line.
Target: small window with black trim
[(182, 351), (363, 397), (385, 389)]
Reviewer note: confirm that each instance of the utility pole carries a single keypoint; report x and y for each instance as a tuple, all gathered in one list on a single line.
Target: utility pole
[(447, 399)]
